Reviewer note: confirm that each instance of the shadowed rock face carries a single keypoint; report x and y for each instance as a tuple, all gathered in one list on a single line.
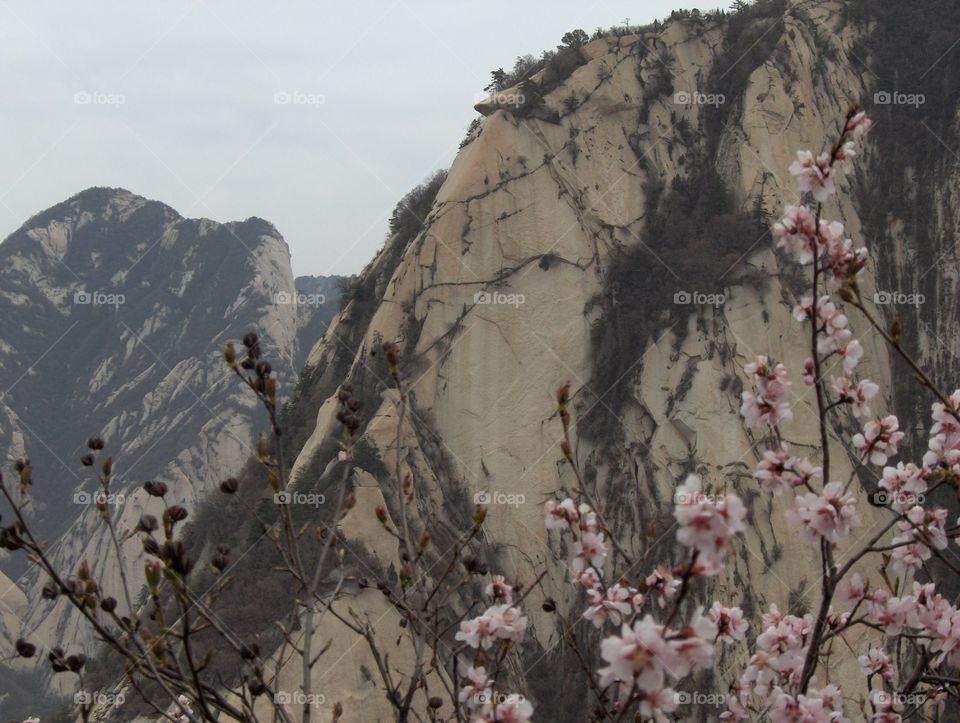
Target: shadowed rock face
[(517, 282), (547, 255), (114, 311)]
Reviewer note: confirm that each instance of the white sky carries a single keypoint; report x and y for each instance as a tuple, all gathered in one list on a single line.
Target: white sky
[(199, 129)]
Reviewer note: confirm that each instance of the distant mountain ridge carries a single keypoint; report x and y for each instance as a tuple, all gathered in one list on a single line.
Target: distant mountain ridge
[(114, 310)]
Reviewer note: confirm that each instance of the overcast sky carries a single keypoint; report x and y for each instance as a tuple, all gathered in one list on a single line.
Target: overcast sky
[(177, 101)]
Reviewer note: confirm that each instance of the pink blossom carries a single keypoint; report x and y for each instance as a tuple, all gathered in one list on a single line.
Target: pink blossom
[(876, 662), (858, 396), (779, 471), (663, 583), (921, 530), (907, 484), (816, 706), (858, 124), (851, 353), (616, 605), (814, 174), (499, 622), (795, 232), (499, 590), (729, 622), (514, 709), (588, 577), (705, 524), (768, 400), (640, 656), (655, 704), (809, 372), (944, 445), (880, 439), (830, 515), (589, 551), (845, 154), (560, 515), (478, 686), (851, 589)]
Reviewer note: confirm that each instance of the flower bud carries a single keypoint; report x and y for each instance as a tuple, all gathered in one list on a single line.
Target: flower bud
[(25, 649), (155, 489)]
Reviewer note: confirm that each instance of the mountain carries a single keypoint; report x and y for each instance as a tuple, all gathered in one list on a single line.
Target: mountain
[(113, 315), (320, 299), (607, 222)]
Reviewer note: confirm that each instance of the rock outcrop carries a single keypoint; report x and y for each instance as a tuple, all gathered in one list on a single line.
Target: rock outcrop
[(518, 275), (113, 315)]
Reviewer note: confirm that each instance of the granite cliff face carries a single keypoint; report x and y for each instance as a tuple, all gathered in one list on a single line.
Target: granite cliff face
[(551, 252), (113, 314), (604, 223)]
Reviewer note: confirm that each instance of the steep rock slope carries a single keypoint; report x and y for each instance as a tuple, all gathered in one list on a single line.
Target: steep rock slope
[(113, 314), (519, 280)]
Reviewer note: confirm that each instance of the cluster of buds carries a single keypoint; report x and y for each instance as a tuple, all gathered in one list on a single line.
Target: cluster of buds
[(262, 381), (347, 414)]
